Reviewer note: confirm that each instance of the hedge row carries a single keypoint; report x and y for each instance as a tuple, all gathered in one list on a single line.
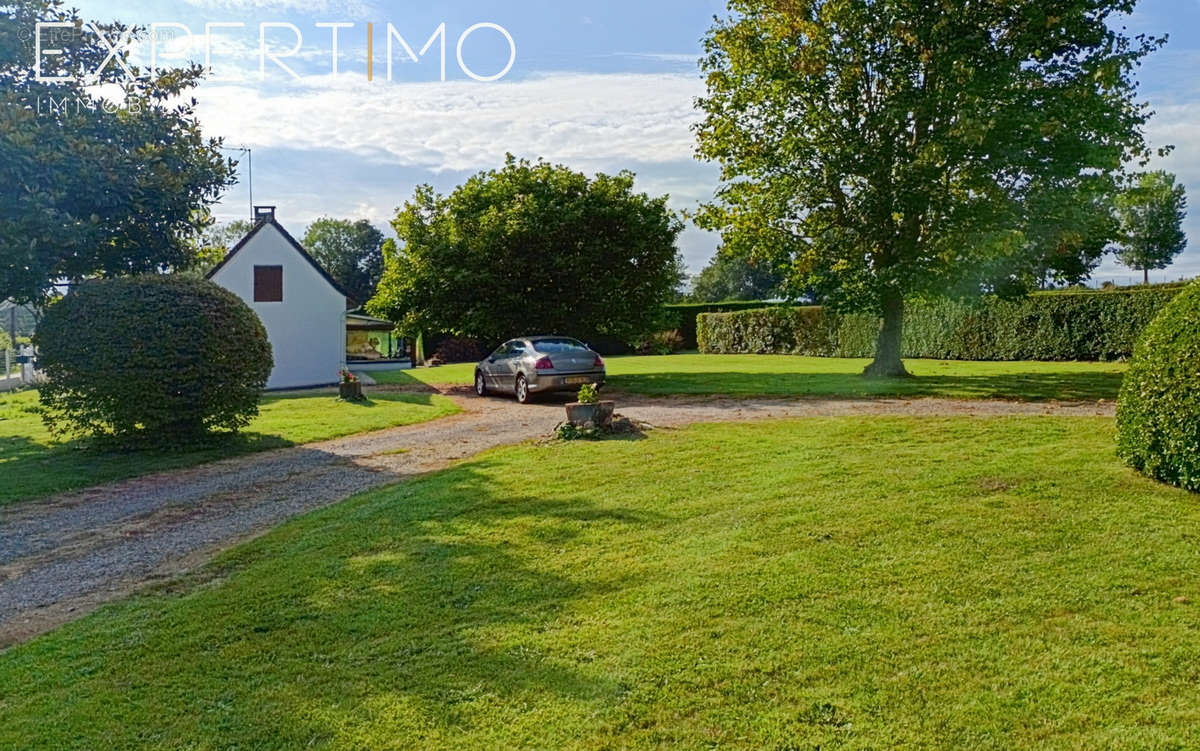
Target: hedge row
[(1158, 412), (1044, 326), (683, 317)]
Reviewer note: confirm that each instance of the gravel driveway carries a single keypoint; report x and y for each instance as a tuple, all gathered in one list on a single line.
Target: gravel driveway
[(64, 556)]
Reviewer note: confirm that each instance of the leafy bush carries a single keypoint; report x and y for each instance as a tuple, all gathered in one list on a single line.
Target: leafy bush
[(1045, 326), (588, 394), (662, 343), (164, 356), (798, 331), (621, 427), (1158, 412), (569, 432), (684, 317)]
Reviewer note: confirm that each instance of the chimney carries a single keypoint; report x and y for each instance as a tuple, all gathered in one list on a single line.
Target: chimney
[(264, 214)]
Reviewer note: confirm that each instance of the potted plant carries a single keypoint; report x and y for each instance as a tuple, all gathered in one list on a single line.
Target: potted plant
[(350, 387), (589, 411)]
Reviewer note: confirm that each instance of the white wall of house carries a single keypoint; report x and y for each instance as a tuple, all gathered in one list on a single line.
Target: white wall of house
[(308, 328)]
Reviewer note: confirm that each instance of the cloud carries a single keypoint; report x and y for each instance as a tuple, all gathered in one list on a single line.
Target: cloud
[(586, 120), (352, 7), (690, 58), (348, 147)]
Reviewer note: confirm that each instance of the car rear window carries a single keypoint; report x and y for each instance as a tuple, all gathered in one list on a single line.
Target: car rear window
[(551, 346)]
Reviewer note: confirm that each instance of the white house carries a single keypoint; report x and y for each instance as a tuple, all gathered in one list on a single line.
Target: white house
[(301, 306)]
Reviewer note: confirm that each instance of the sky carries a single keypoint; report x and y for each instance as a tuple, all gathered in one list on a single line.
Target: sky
[(598, 86)]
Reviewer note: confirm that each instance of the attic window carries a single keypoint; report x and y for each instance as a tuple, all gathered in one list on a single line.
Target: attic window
[(268, 284)]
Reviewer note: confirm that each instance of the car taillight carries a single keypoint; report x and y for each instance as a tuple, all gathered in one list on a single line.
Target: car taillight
[(544, 364), (599, 362)]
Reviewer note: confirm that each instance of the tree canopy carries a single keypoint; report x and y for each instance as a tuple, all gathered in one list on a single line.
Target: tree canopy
[(532, 248), (214, 243), (736, 277), (1152, 211), (90, 186), (351, 251), (892, 149)]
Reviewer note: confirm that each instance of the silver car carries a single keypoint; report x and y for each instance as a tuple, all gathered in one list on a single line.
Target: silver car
[(536, 365)]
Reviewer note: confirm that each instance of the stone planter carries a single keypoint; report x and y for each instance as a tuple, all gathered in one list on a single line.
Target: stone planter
[(598, 415), (351, 392)]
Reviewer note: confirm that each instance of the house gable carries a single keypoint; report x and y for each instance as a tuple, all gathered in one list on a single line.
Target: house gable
[(302, 309), (270, 222)]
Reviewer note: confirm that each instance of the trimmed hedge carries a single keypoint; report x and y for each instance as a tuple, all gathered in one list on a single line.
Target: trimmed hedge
[(166, 357), (1100, 325), (1158, 411), (684, 317)]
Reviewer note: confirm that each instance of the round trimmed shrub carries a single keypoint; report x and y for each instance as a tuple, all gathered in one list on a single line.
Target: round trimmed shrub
[(167, 357), (1158, 413)]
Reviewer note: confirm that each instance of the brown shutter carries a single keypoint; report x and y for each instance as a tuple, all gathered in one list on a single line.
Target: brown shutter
[(268, 284)]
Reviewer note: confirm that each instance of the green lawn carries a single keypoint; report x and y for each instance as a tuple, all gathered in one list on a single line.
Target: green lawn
[(899, 583), (33, 465), (782, 375)]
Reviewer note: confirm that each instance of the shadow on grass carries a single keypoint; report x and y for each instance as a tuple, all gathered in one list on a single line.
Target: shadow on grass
[(409, 610), (450, 587), (373, 396), (400, 380), (1033, 386), (30, 469)]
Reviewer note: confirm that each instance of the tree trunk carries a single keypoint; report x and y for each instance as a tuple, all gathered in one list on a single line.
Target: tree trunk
[(887, 362), (1146, 275)]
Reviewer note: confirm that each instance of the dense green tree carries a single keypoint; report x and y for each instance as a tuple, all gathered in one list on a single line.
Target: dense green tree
[(894, 149), (532, 248), (1151, 212), (89, 187), (736, 277), (351, 251), (215, 242), (1067, 232)]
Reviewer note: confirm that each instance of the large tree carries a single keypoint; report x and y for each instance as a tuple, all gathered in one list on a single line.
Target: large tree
[(1151, 212), (532, 248), (892, 149), (736, 277), (89, 186), (214, 243), (351, 251)]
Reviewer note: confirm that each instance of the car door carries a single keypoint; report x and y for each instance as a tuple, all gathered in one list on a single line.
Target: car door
[(509, 365), (497, 367), (488, 366)]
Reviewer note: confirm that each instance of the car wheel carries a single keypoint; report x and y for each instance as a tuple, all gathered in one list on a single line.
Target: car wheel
[(480, 384), (522, 389)]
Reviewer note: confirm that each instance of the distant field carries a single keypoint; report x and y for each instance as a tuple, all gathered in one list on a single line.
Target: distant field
[(32, 464), (782, 375)]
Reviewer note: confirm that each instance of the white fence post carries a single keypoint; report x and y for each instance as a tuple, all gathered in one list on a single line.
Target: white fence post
[(27, 367)]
